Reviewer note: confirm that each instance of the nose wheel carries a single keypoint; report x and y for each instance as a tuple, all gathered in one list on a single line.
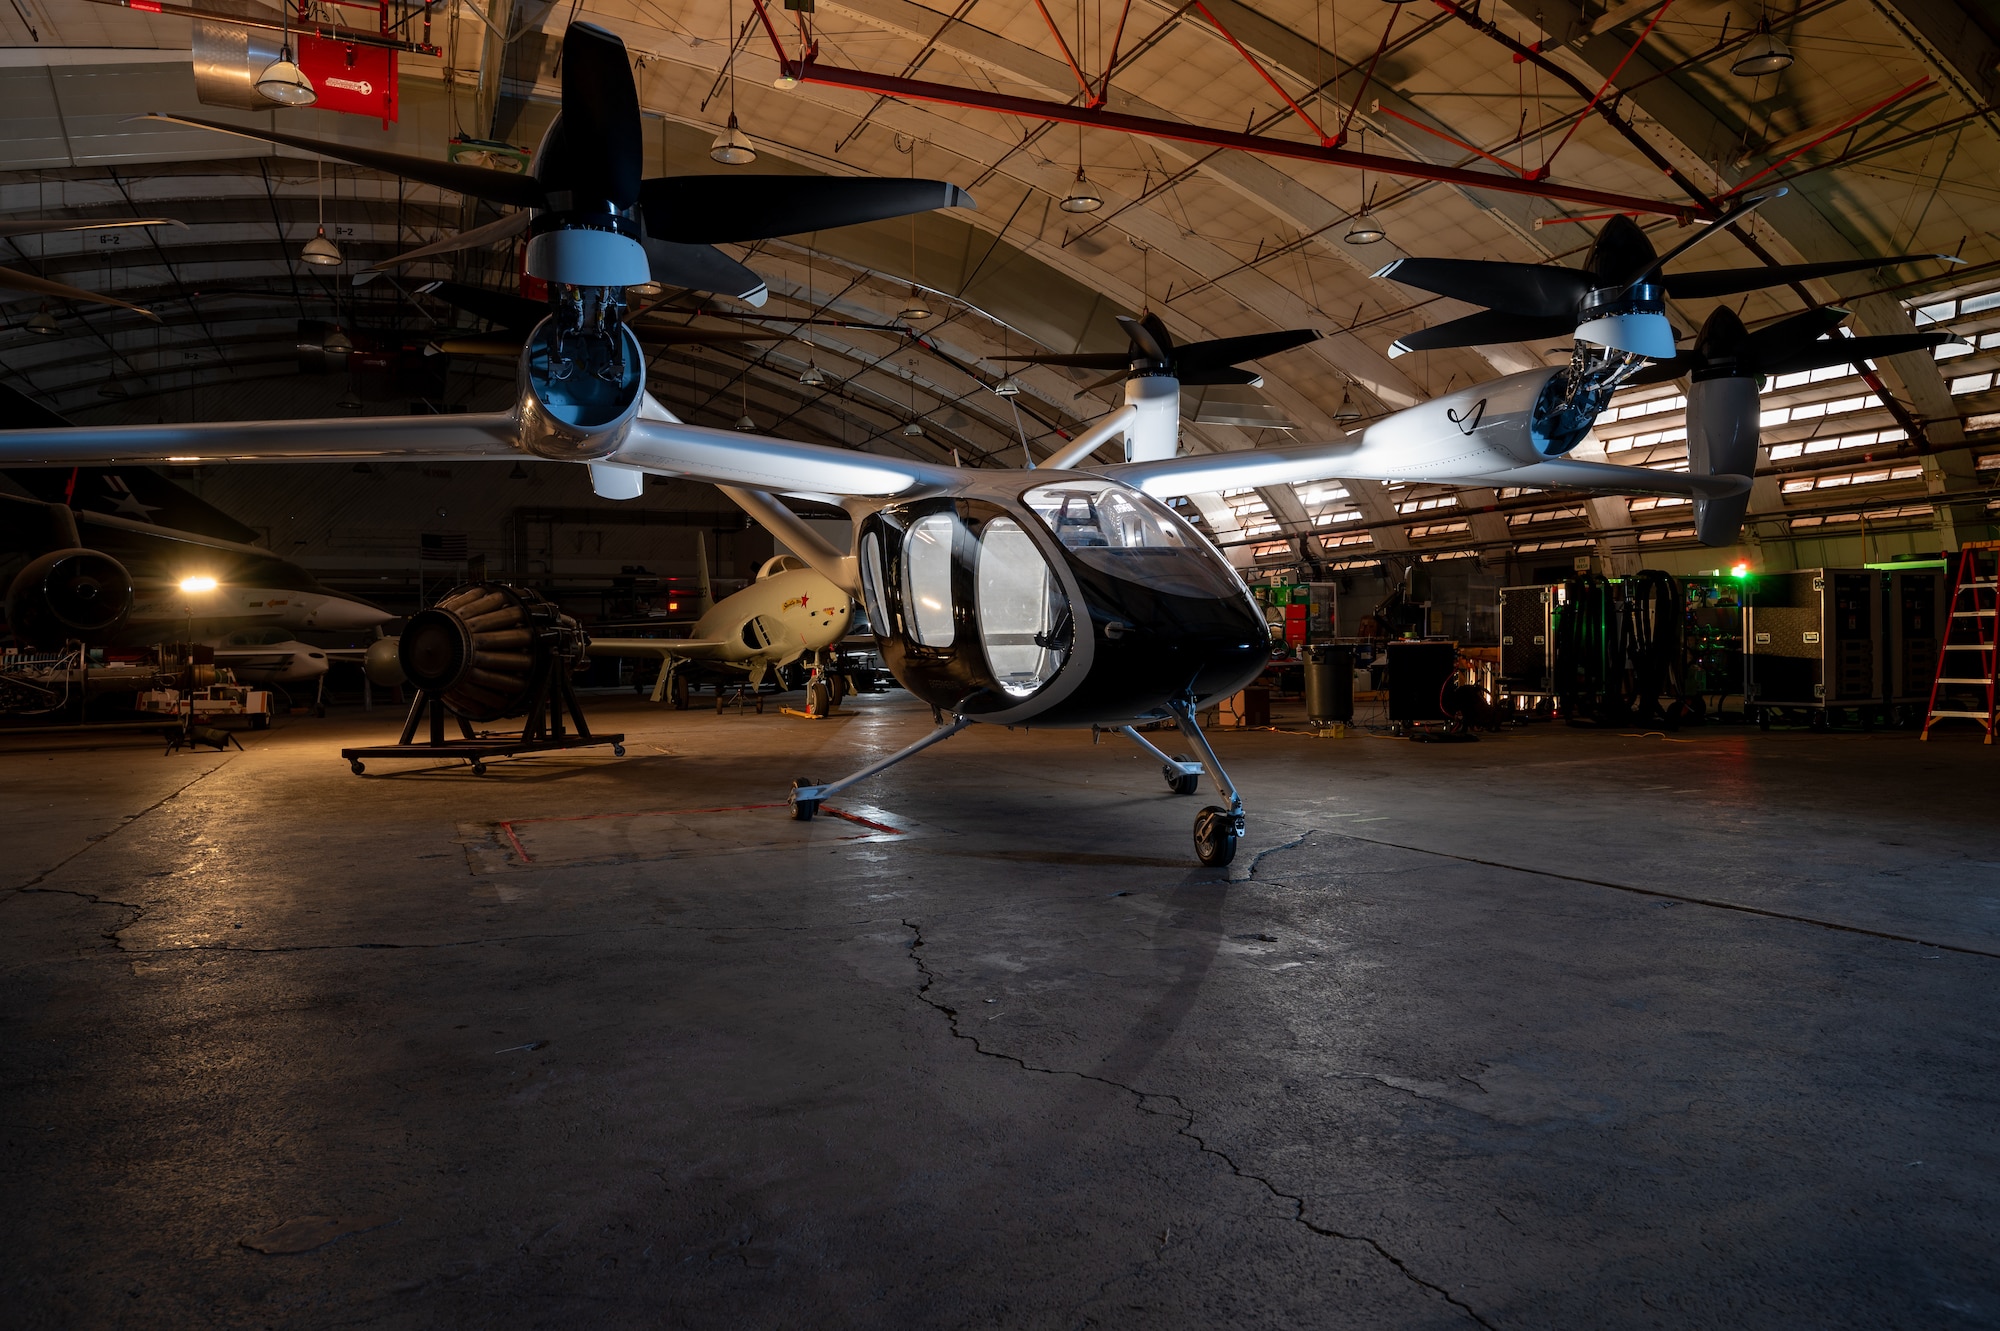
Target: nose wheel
[(1179, 779), (1215, 836)]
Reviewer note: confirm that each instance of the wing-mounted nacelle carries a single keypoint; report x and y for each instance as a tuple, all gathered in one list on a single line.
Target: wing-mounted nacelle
[(583, 378)]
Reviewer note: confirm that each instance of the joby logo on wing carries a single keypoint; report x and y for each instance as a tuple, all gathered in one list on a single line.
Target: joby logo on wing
[(362, 86), (1470, 420)]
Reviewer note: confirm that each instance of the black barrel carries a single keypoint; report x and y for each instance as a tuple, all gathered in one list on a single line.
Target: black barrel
[(1329, 683)]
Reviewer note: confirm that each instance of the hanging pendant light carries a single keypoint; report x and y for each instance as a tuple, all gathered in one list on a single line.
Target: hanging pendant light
[(319, 251), (285, 83), (1762, 54), (1365, 231), (744, 422), (811, 376), (1082, 196), (350, 400), (916, 309), (732, 147), (1008, 387), (43, 322), (913, 431), (322, 252), (282, 80)]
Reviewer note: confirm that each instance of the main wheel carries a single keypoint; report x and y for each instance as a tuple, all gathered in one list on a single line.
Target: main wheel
[(678, 689), (1215, 837), (803, 810), (819, 698), (1181, 783)]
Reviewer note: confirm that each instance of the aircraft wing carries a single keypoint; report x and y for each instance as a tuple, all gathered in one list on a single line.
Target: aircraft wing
[(754, 462), (1298, 464), (692, 649), (468, 438)]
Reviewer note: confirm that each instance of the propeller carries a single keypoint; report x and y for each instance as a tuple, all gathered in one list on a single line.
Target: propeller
[(13, 280), (589, 167), (1726, 349), (1152, 352), (1622, 277), (1724, 409), (50, 225), (516, 316)]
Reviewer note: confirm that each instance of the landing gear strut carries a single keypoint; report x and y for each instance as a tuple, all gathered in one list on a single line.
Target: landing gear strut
[(806, 797), (1216, 829)]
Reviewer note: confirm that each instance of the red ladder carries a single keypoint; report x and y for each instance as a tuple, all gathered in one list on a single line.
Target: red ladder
[(1967, 687)]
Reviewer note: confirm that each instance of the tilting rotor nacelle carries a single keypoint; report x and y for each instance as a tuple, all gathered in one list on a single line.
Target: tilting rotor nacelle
[(582, 384)]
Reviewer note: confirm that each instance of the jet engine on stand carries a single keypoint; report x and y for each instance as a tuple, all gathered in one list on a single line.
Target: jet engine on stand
[(485, 652)]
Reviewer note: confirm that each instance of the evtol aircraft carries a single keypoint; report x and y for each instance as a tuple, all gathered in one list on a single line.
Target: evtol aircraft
[(1068, 595)]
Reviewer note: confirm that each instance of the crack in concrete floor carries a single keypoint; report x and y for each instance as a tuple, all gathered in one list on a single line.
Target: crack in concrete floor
[(1184, 1128)]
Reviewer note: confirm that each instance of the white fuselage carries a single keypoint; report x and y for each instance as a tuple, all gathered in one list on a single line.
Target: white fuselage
[(287, 662), (776, 620), (212, 612)]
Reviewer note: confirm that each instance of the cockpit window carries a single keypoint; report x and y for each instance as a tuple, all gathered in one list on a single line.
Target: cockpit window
[(1018, 607), (927, 579), (1117, 530), (1099, 515), (871, 583)]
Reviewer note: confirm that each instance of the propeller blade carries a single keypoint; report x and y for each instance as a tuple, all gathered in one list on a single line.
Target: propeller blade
[(513, 224), (50, 226), (1105, 382), (477, 181), (1196, 356), (602, 146), (1716, 228), (1733, 281), (1529, 289), (1791, 333), (1485, 329), (1221, 374), (41, 286), (703, 268), (1082, 360), (708, 209), (1665, 371), (1146, 338), (1851, 351), (493, 345), (656, 335), (503, 308)]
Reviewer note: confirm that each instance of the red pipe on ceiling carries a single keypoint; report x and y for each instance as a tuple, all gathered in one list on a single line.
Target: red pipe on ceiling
[(918, 90)]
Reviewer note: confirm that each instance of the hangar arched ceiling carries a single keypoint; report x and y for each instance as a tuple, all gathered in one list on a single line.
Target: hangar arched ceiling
[(1883, 129)]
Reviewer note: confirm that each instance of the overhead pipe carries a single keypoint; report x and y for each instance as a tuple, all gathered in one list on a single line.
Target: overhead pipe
[(919, 90)]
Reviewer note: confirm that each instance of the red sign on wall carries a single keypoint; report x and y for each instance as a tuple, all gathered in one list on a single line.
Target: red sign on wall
[(359, 80)]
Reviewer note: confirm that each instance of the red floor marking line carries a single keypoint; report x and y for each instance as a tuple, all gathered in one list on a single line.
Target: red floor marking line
[(508, 825), (645, 813), (508, 828), (857, 818)]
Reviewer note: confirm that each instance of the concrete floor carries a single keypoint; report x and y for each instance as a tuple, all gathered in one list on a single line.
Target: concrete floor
[(1559, 1029)]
